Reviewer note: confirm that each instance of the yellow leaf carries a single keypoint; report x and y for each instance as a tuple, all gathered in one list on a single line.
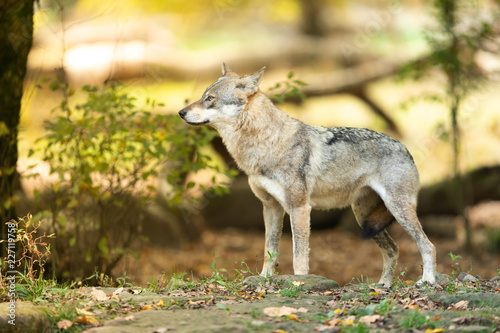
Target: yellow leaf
[(87, 320), (297, 283), (146, 307), (349, 322), (279, 331), (408, 282), (374, 294), (436, 330), (293, 317), (338, 311), (83, 312), (160, 303)]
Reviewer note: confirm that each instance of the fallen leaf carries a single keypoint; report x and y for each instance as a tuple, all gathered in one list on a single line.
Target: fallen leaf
[(412, 307), (332, 303), (87, 320), (380, 290), (321, 328), (349, 321), (333, 322), (293, 317), (64, 324), (279, 331), (337, 312), (374, 293), (118, 291), (146, 307), (160, 303), (297, 283), (98, 295), (282, 311), (436, 330), (461, 305), (371, 319), (84, 312)]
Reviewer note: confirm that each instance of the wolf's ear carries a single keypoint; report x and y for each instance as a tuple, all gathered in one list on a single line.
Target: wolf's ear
[(226, 71), (250, 83)]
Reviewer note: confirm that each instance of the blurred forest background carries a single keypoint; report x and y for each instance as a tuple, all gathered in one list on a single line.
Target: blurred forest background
[(123, 185)]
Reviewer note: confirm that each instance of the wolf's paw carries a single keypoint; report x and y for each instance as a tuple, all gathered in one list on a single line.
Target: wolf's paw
[(426, 282)]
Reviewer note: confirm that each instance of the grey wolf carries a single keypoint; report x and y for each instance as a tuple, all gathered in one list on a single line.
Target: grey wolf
[(293, 167)]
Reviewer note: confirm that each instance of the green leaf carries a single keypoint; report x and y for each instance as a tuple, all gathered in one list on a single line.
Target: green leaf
[(54, 85)]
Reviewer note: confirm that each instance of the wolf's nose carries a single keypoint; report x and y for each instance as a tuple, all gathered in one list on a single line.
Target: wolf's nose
[(182, 113)]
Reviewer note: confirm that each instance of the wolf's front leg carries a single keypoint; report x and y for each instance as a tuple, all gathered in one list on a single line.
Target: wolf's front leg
[(300, 220), (273, 219)]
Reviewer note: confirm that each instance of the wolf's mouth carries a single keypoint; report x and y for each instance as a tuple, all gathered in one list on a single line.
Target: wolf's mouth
[(198, 123)]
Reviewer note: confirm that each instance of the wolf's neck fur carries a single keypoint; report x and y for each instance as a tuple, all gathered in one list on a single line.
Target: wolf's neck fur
[(260, 129)]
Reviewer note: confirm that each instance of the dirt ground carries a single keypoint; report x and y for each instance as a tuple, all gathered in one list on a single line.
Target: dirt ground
[(337, 254)]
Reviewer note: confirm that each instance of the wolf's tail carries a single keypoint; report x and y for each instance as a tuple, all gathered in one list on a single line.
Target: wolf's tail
[(378, 219)]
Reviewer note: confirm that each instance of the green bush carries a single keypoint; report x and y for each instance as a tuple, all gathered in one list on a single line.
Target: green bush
[(107, 154)]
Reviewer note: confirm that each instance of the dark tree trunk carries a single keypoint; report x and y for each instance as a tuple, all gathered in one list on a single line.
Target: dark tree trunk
[(311, 17), (16, 26)]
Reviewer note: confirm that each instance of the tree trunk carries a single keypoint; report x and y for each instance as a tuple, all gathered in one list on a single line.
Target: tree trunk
[(16, 24), (311, 17)]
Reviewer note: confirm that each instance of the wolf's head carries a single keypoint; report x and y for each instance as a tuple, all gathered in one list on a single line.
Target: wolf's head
[(224, 100)]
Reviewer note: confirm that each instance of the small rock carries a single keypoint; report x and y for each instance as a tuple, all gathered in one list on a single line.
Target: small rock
[(464, 277), (495, 279)]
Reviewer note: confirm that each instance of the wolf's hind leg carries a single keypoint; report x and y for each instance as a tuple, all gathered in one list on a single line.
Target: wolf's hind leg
[(390, 255), (273, 219), (365, 208), (405, 213)]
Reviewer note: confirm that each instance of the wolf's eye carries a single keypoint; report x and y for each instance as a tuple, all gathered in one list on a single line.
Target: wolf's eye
[(209, 98)]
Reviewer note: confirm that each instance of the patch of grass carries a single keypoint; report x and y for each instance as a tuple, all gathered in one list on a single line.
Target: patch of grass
[(413, 320), (292, 291), (359, 328), (383, 308)]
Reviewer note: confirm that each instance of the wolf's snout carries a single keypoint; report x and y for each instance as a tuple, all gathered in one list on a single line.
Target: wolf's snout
[(182, 113)]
